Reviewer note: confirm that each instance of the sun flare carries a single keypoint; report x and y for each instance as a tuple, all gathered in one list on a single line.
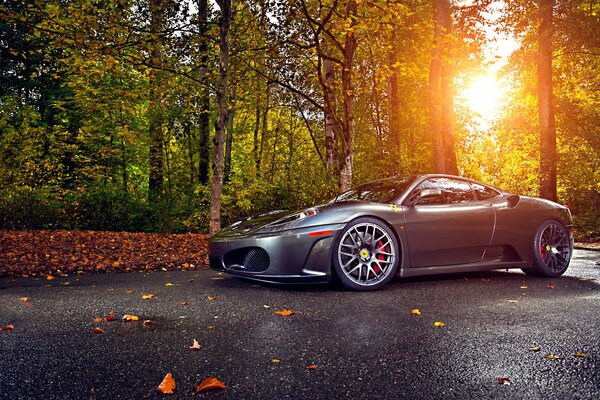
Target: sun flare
[(484, 97)]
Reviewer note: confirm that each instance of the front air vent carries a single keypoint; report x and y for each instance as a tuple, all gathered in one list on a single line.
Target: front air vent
[(252, 259)]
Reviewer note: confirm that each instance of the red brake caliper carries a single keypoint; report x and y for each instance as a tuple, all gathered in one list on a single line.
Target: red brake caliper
[(542, 253), (380, 257)]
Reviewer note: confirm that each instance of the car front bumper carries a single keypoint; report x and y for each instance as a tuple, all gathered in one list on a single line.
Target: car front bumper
[(292, 256)]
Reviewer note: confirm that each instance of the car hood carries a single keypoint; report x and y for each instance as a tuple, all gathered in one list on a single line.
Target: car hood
[(256, 223)]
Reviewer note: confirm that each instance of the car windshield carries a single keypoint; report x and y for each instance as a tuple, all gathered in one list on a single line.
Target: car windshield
[(381, 191)]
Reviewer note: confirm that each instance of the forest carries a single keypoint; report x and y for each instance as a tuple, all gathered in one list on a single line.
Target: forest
[(186, 115)]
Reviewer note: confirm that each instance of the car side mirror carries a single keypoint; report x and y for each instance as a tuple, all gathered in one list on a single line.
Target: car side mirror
[(422, 194)]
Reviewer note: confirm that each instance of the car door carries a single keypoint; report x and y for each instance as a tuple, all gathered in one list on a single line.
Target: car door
[(448, 229)]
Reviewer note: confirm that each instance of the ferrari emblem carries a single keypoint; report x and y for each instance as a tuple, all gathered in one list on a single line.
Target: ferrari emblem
[(548, 248), (364, 253), (394, 207)]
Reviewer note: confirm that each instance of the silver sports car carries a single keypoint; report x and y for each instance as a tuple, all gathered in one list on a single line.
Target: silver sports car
[(417, 225)]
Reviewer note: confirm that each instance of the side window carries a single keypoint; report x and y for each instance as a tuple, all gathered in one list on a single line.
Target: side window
[(453, 191), (484, 192)]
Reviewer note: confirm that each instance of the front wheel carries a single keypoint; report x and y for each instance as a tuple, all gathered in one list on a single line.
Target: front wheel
[(552, 250), (366, 255)]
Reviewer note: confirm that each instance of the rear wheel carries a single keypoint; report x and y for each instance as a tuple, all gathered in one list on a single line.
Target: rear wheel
[(552, 250), (366, 255)]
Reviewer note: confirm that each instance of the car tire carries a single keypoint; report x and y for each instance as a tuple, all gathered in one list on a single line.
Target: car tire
[(552, 250), (366, 255)]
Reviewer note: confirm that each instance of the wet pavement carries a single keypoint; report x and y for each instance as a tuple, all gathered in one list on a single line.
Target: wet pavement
[(362, 345)]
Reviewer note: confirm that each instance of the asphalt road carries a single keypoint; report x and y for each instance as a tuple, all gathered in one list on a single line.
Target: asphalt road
[(364, 345)]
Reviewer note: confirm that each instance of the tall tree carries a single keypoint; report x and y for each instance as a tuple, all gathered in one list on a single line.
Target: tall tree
[(155, 184), (546, 102), (204, 97), (441, 90), (216, 191)]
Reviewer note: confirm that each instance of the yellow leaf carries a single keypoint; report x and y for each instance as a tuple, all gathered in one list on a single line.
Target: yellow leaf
[(211, 298), (415, 312), (551, 356), (148, 296), (208, 384), (439, 324), (275, 360), (196, 345), (131, 317), (167, 385), (24, 298), (534, 348), (580, 354), (168, 284), (285, 313)]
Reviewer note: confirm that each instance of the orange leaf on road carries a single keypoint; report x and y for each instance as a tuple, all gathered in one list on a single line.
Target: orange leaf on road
[(98, 330), (110, 316), (49, 277), (8, 327), (312, 367), (167, 385), (196, 345), (24, 299), (415, 311), (212, 298), (131, 317), (148, 296), (551, 286), (209, 384), (96, 320), (285, 313)]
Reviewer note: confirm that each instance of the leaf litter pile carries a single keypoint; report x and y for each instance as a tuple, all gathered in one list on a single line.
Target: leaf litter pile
[(50, 253)]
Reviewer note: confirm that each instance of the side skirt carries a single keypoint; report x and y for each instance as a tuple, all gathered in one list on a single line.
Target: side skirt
[(453, 269)]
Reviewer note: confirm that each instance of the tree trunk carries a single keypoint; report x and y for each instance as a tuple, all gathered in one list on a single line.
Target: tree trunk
[(435, 106), (394, 101), (546, 103), (329, 107), (447, 95), (347, 159), (204, 101), (221, 122), (155, 181), (229, 136)]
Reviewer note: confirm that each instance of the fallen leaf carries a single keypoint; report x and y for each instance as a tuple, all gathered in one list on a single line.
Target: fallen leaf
[(218, 278), (523, 287), (191, 280), (513, 301), (110, 316), (588, 279), (49, 278), (148, 322), (285, 313), (196, 345), (551, 356), (129, 291), (211, 327), (266, 306), (168, 284), (96, 320), (504, 381), (311, 367), (415, 311), (439, 324), (131, 317), (580, 354), (551, 286), (185, 303), (24, 299), (275, 360), (167, 385), (8, 327), (534, 348), (209, 384), (148, 296), (211, 298), (98, 330)]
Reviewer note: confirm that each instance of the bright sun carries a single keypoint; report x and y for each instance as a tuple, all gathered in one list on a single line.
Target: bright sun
[(484, 97)]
